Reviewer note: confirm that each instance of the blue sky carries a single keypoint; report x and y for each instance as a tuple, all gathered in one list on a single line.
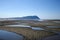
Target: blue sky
[(45, 9)]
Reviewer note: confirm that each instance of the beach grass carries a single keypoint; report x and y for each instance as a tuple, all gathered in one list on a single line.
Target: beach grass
[(28, 33)]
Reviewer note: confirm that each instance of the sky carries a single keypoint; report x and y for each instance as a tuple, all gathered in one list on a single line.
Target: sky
[(44, 9)]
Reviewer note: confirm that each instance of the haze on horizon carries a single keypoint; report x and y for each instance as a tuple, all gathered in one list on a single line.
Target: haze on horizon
[(44, 9)]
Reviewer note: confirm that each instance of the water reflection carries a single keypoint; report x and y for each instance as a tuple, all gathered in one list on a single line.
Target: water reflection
[(26, 26), (18, 25), (34, 28), (37, 28), (5, 35)]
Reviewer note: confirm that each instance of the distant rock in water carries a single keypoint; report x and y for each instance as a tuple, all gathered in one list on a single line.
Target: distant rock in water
[(36, 18), (26, 18)]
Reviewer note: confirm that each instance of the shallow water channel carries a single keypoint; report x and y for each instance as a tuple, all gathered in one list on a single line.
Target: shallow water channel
[(5, 35)]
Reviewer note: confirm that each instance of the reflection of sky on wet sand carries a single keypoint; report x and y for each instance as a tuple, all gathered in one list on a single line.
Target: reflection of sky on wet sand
[(34, 28), (5, 35), (26, 26)]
